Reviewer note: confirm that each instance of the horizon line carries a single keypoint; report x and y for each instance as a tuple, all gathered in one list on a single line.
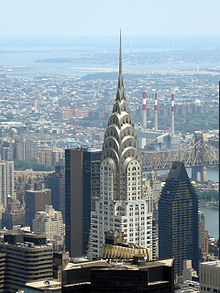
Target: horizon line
[(111, 36)]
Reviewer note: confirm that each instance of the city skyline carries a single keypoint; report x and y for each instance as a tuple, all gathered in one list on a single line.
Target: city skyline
[(44, 114), (84, 156)]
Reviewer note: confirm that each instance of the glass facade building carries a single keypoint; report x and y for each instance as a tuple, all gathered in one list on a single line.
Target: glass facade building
[(82, 184), (178, 219)]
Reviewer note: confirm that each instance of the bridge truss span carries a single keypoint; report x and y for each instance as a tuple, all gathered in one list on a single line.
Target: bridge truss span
[(199, 153)]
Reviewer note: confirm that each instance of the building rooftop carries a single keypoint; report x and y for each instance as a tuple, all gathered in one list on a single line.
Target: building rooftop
[(45, 284), (187, 287), (215, 264), (38, 190), (84, 263), (24, 239), (119, 265)]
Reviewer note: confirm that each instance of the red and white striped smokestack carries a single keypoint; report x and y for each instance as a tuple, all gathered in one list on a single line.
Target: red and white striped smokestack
[(172, 114), (155, 102), (144, 101), (155, 113), (144, 111)]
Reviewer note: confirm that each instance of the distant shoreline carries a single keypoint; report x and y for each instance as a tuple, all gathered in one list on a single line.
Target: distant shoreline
[(208, 205)]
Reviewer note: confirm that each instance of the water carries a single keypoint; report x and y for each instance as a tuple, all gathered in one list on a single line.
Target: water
[(80, 56), (212, 173), (211, 214), (211, 220)]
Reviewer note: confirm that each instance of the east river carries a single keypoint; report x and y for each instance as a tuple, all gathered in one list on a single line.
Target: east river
[(211, 214), (211, 220)]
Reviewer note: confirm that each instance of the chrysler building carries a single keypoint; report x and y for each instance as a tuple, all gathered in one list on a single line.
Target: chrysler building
[(121, 205)]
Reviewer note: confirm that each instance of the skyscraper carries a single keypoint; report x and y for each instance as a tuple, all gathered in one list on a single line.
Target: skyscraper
[(6, 181), (178, 219), (14, 213), (121, 205), (35, 200), (56, 183), (50, 223), (82, 175)]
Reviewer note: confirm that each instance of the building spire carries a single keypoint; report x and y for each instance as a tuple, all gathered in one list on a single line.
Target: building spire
[(120, 91), (120, 57)]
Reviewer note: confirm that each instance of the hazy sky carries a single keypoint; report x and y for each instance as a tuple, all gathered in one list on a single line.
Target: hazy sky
[(105, 17)]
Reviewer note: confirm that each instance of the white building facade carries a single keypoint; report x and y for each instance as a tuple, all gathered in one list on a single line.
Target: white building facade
[(6, 181), (121, 205), (209, 276), (50, 223)]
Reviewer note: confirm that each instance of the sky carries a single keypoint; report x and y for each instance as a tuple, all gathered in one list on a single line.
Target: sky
[(106, 17)]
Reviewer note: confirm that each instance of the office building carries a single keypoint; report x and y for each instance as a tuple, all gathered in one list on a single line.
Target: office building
[(6, 150), (50, 223), (202, 233), (209, 273), (35, 200), (50, 156), (14, 214), (60, 260), (56, 183), (6, 181), (188, 272), (135, 275), (121, 205), (25, 149), (82, 183), (26, 257), (155, 240), (2, 271), (178, 219)]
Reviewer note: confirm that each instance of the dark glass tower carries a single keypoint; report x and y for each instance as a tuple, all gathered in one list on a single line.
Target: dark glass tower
[(178, 219), (56, 182), (82, 184)]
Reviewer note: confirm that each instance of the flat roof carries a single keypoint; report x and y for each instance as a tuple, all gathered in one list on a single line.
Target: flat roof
[(126, 264), (45, 284), (215, 263), (84, 264)]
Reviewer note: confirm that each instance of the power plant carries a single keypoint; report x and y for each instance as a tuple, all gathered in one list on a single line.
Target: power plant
[(155, 114), (172, 114), (155, 139), (144, 111)]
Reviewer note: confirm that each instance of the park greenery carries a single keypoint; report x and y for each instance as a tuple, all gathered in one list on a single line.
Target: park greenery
[(31, 164), (210, 196)]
